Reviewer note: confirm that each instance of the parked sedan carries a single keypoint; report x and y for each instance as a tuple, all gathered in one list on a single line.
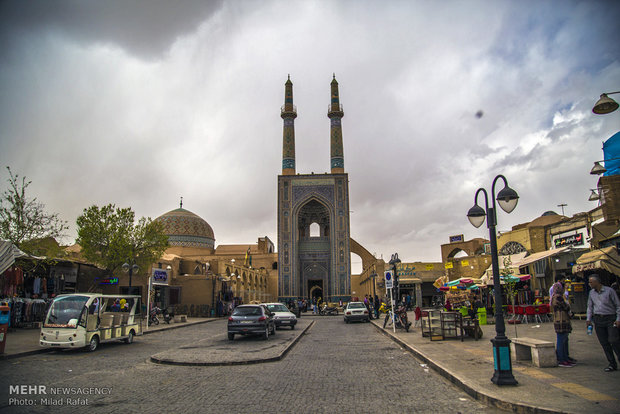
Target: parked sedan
[(281, 315), (356, 311), (251, 320)]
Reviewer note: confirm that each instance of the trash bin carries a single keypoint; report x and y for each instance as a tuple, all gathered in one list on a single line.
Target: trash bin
[(482, 316), (5, 317)]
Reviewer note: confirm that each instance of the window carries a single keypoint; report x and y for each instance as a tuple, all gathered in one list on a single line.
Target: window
[(175, 295), (315, 230)]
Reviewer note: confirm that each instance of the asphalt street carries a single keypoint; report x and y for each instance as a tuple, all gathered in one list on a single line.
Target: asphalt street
[(335, 367)]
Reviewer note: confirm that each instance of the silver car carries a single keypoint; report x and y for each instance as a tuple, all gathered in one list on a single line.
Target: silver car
[(282, 315)]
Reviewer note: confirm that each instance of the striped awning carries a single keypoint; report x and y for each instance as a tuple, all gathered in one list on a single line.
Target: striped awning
[(8, 253)]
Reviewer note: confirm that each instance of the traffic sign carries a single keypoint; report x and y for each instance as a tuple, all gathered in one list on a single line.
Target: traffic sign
[(389, 282)]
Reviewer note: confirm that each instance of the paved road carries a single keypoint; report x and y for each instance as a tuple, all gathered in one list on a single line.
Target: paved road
[(335, 367)]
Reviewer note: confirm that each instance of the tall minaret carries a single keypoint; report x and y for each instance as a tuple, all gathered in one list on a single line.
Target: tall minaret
[(335, 114), (288, 114)]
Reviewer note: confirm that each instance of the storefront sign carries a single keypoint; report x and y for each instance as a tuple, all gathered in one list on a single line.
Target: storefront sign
[(588, 266), (457, 239), (110, 280), (465, 263), (160, 277), (448, 265), (430, 267), (572, 240)]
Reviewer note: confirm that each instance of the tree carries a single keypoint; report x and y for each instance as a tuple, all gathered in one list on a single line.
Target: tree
[(23, 221), (510, 285), (109, 236)]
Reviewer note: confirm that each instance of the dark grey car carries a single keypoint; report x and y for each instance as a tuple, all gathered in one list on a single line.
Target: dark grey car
[(251, 320)]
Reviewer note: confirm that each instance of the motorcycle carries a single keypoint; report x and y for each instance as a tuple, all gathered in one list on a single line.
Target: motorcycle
[(400, 318), (328, 310), (153, 319), (168, 315)]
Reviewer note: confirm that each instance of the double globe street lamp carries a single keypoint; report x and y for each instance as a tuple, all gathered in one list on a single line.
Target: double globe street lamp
[(507, 199), (130, 267)]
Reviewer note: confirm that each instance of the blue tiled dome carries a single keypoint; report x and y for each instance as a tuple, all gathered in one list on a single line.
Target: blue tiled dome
[(186, 229)]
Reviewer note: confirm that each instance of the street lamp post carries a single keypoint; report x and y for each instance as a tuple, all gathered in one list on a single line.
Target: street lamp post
[(507, 199), (373, 276), (394, 260), (130, 267), (206, 267), (605, 104)]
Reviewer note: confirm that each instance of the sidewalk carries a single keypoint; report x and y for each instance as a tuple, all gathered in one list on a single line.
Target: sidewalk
[(22, 341), (585, 388)]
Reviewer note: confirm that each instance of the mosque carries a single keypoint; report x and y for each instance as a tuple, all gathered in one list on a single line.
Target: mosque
[(314, 240)]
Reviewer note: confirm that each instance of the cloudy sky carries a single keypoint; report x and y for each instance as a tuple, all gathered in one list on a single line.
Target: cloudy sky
[(138, 103)]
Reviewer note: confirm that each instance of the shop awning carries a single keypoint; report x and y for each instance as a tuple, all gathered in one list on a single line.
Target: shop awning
[(534, 257), (488, 280), (407, 280), (606, 258), (514, 259), (8, 253)]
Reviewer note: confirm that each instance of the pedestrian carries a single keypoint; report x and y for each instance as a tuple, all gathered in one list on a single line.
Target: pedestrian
[(561, 324), (378, 305), (604, 312), (408, 301), (418, 316), (371, 308), (558, 278)]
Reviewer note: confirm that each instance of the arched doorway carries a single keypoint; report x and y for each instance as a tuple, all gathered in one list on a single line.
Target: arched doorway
[(316, 290)]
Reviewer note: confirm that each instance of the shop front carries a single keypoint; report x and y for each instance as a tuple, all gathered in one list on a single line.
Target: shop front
[(604, 262)]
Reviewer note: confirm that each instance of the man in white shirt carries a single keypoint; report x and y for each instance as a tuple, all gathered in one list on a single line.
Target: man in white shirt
[(604, 311)]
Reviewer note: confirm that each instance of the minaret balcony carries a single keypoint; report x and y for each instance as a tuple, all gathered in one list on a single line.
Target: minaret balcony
[(288, 110), (335, 110)]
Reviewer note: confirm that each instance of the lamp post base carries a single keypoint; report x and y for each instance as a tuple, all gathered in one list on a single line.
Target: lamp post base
[(503, 364)]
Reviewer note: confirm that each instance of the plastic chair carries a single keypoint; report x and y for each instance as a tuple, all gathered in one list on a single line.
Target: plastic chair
[(531, 311), (520, 313), (544, 311)]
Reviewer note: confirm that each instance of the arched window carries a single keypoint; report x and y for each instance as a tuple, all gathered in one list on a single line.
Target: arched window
[(315, 230)]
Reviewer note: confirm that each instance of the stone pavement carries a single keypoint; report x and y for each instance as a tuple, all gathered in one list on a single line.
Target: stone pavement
[(23, 341), (219, 350), (585, 388)]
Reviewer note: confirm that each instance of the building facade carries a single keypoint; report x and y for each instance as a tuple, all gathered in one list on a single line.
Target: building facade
[(313, 216)]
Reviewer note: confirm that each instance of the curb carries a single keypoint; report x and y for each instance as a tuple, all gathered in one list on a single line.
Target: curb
[(229, 363), (168, 328), (468, 388), (45, 350)]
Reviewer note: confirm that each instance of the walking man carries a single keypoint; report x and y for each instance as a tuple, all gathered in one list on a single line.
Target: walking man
[(604, 311)]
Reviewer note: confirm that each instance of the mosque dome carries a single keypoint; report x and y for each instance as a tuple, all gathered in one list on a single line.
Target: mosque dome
[(187, 229), (549, 213)]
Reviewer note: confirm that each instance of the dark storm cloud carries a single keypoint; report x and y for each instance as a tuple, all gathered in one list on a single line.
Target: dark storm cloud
[(146, 29)]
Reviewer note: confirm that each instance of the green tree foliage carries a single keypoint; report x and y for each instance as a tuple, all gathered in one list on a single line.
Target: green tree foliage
[(510, 284), (23, 221), (109, 236)]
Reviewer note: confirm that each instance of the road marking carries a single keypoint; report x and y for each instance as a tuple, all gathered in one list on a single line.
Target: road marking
[(582, 391)]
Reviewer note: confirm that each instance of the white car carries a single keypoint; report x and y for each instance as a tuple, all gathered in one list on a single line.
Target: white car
[(281, 315), (356, 311)]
